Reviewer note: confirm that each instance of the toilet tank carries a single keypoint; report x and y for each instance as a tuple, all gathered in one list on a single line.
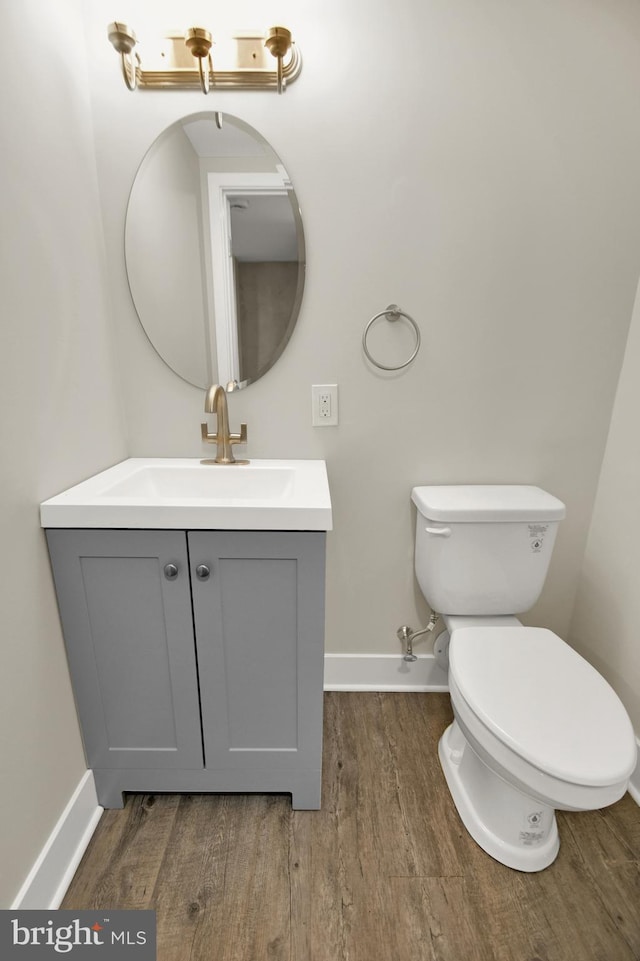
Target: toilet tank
[(484, 550)]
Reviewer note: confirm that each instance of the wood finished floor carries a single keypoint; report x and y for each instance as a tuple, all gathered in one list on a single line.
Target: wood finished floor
[(384, 872)]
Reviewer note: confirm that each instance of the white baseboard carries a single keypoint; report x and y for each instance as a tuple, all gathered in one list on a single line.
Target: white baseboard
[(634, 783), (56, 864), (382, 672)]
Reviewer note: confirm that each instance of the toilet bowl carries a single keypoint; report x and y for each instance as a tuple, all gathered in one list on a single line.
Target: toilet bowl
[(536, 728)]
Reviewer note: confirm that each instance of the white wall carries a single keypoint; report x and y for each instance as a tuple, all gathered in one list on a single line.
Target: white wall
[(59, 418), (607, 613), (169, 233), (475, 163)]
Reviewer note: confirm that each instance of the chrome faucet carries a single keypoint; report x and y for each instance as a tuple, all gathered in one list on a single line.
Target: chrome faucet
[(216, 403)]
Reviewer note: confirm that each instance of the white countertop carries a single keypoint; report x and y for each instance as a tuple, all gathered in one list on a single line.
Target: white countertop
[(184, 493)]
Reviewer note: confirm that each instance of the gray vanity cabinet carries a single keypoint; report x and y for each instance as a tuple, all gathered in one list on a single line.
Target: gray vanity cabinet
[(257, 616), (196, 658), (129, 637)]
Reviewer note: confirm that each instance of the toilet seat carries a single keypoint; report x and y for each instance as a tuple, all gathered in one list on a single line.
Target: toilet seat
[(544, 703)]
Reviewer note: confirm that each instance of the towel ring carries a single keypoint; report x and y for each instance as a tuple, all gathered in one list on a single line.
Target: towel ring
[(392, 313)]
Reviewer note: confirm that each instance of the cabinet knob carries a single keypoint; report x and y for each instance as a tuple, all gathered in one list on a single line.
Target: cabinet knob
[(170, 572), (202, 572)]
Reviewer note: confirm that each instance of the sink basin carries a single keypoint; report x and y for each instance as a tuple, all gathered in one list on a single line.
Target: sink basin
[(189, 481), (184, 493)]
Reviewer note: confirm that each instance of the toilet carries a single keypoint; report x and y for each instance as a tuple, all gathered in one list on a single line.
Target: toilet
[(536, 728)]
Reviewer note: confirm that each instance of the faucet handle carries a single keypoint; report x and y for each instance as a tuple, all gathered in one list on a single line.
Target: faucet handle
[(206, 436), (240, 438)]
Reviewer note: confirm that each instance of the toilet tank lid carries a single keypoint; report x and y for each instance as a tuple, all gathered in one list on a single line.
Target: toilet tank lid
[(487, 502)]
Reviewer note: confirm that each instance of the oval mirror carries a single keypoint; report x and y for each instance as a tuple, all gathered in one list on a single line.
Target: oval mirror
[(214, 250)]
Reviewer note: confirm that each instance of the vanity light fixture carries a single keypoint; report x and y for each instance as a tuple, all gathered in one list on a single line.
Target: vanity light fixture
[(198, 42), (123, 40), (240, 63)]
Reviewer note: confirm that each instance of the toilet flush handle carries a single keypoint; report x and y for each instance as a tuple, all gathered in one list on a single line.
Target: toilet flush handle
[(439, 531)]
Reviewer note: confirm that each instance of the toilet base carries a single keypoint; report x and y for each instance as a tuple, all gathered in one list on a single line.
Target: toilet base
[(517, 830)]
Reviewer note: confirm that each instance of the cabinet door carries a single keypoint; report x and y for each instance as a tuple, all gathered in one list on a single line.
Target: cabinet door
[(259, 619), (128, 629)]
